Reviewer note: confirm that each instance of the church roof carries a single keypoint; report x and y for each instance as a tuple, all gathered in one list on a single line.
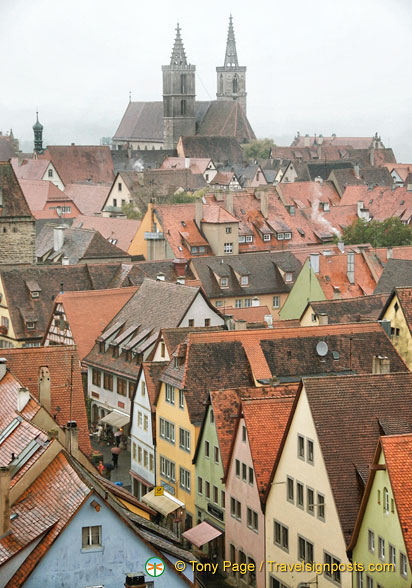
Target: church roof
[(142, 121), (226, 118)]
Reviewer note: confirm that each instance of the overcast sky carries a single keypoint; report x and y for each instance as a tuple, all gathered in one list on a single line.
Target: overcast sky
[(324, 66)]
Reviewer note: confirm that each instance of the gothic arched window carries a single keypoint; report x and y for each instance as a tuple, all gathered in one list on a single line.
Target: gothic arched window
[(183, 83), (221, 84), (235, 84), (183, 107)]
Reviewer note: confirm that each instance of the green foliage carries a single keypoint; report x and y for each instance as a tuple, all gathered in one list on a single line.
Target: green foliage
[(388, 233), (258, 149), (181, 197), (130, 211)]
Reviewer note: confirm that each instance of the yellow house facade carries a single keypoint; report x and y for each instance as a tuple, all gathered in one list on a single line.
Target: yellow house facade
[(397, 312), (7, 334), (176, 439)]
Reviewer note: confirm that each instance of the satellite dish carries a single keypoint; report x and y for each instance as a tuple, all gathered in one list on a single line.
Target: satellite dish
[(322, 348)]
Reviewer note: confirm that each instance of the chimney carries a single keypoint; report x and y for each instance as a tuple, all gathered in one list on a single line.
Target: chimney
[(23, 396), (3, 367), (180, 266), (356, 171), (44, 388), (372, 157), (264, 204), (351, 268), (320, 139), (269, 320), (229, 202), (71, 440), (65, 260), (389, 253), (4, 500), (314, 262), (58, 237), (240, 325), (323, 318), (341, 246), (198, 213), (381, 365), (187, 162)]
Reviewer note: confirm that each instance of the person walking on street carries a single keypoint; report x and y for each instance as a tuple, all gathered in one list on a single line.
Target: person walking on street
[(115, 456), (118, 437), (99, 431)]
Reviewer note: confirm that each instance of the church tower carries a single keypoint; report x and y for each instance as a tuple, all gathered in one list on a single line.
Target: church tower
[(178, 96), (231, 78), (38, 135)]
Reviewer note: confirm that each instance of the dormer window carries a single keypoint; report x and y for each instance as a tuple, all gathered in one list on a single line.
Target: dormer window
[(288, 236), (35, 294), (288, 277), (244, 281), (280, 236), (224, 282), (249, 238), (30, 325), (175, 362), (242, 239), (325, 206), (50, 173), (266, 237), (194, 250)]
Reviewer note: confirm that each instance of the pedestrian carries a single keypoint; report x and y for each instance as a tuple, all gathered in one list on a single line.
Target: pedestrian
[(100, 467), (115, 456), (99, 431), (118, 436)]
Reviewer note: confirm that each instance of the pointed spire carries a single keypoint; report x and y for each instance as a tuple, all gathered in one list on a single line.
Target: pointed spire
[(178, 53), (231, 54)]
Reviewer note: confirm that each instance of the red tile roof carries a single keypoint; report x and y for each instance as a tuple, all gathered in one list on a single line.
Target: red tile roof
[(89, 199), (198, 165), (38, 192), (217, 214), (253, 314), (81, 163), (88, 312), (120, 229), (298, 193), (30, 169), (334, 280), (64, 367)]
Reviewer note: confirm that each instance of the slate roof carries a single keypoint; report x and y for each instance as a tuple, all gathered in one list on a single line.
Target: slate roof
[(223, 150), (351, 310), (14, 204), (79, 245), (262, 270), (396, 273), (346, 412), (152, 371), (142, 121), (378, 176), (81, 163), (100, 305), (323, 169), (355, 142), (226, 118), (120, 229), (64, 367), (133, 160)]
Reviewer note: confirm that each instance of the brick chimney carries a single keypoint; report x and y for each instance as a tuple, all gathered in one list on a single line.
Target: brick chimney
[(381, 365), (264, 204), (44, 388), (198, 213), (4, 501), (71, 440), (229, 202), (323, 318), (179, 264)]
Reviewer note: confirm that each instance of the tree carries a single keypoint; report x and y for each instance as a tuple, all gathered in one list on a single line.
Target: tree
[(388, 233), (258, 149), (130, 211)]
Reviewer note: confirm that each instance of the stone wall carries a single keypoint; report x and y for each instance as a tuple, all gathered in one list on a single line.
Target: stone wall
[(17, 240)]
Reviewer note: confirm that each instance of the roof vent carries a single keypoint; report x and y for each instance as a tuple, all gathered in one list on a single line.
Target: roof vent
[(335, 355), (322, 348)]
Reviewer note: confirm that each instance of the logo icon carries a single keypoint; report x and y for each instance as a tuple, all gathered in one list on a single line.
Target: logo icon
[(155, 567)]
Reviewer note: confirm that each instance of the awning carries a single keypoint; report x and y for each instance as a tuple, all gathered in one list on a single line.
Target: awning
[(201, 534), (115, 419), (164, 504)]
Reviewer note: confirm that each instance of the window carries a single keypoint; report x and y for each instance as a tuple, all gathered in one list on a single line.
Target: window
[(331, 567), (224, 282), (244, 472), (114, 202), (243, 433), (207, 322), (266, 237), (359, 580), (170, 394), (191, 322), (248, 302), (301, 447), (139, 454), (131, 389), (162, 349), (242, 239), (392, 556), (184, 439), (96, 377), (280, 535), (167, 431), (181, 399), (310, 506), (139, 419), (151, 462), (299, 495), (167, 469), (146, 422), (50, 173), (212, 416), (216, 454), (228, 248), (321, 506), (369, 582), (235, 509), (249, 238), (30, 325), (381, 548), (215, 495), (309, 451), (290, 490), (385, 501), (222, 498), (288, 277), (228, 230), (145, 459), (371, 541), (207, 489), (251, 476), (119, 186), (280, 236), (395, 332), (219, 303), (275, 583), (184, 477), (237, 466), (122, 387), (5, 321), (244, 280), (276, 301), (143, 389), (252, 571), (305, 550), (288, 236), (252, 520), (199, 485), (107, 381), (92, 536), (207, 449), (403, 567)]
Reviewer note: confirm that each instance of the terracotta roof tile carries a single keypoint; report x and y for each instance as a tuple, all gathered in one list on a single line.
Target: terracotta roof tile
[(119, 229), (81, 163), (30, 169)]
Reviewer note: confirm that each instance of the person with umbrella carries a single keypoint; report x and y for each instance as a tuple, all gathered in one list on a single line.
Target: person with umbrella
[(115, 455)]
